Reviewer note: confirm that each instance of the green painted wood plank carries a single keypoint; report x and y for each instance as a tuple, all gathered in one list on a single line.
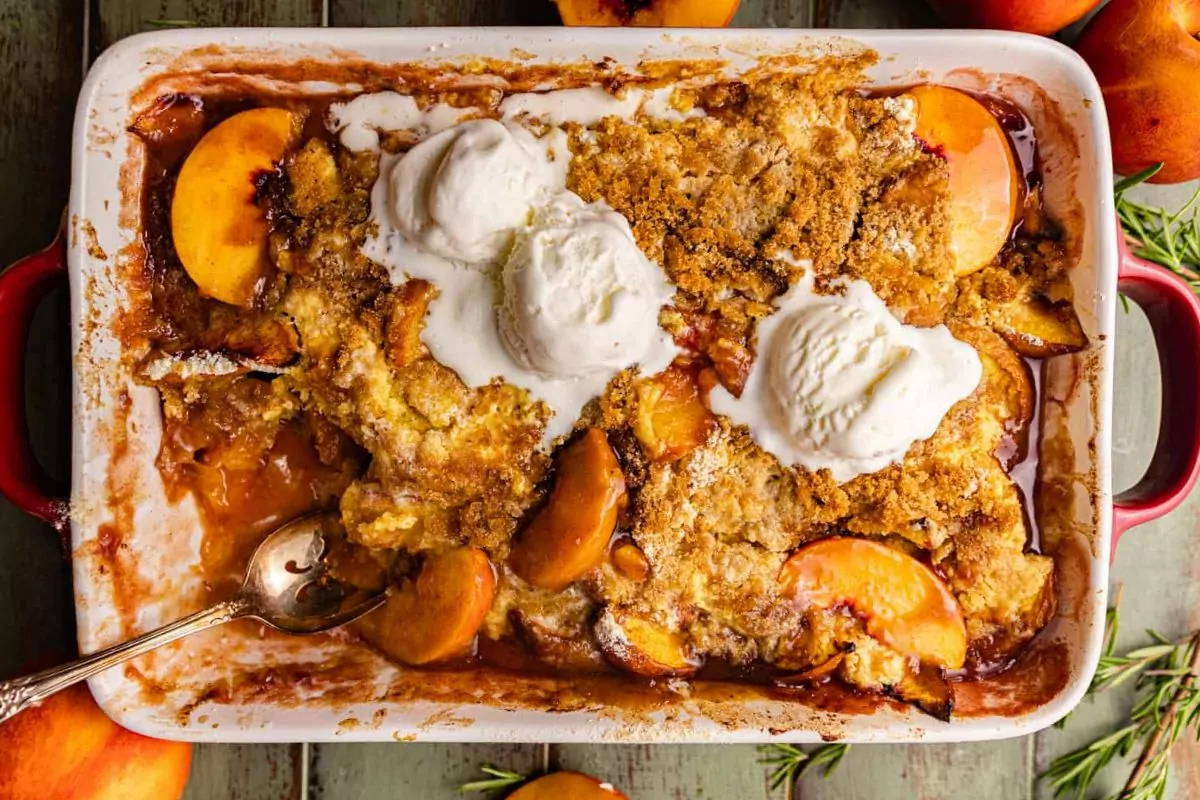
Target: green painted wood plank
[(41, 48), (672, 772), (411, 769), (774, 14), (247, 772), (873, 14), (374, 13), (991, 770), (116, 19)]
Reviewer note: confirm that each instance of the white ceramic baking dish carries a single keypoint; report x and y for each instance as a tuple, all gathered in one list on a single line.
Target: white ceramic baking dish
[(116, 423)]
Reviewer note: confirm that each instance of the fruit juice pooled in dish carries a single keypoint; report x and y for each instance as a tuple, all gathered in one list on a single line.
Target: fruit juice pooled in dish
[(679, 376)]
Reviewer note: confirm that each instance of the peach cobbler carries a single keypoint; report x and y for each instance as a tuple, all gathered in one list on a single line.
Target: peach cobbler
[(679, 376)]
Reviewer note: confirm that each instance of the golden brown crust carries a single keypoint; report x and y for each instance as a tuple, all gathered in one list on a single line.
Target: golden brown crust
[(796, 164)]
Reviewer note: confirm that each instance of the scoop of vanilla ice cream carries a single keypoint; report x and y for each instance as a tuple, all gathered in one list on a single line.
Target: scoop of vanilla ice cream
[(462, 193), (580, 297), (842, 384)]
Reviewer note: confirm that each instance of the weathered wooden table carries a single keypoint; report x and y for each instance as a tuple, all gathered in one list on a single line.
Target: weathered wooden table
[(44, 49)]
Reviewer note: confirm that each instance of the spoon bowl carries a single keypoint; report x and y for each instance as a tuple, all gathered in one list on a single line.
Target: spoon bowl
[(291, 585)]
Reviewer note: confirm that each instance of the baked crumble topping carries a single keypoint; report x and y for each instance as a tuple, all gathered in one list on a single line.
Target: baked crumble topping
[(334, 398)]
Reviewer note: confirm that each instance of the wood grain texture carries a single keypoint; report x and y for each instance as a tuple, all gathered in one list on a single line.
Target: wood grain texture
[(116, 19), (991, 770), (412, 769), (442, 12), (872, 14), (41, 50), (774, 14), (246, 772)]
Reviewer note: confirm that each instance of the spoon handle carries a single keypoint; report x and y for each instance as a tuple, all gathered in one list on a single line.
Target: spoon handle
[(22, 693)]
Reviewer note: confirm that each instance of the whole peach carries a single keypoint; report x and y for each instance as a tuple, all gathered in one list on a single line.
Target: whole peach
[(652, 13), (68, 749), (1148, 64), (1029, 16)]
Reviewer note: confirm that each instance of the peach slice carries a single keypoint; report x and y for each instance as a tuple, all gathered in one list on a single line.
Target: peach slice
[(1007, 390), (903, 603), (814, 675), (648, 13), (436, 616), (928, 690), (673, 418), (567, 786), (1037, 327), (725, 342), (985, 184), (569, 537), (644, 647), (575, 653), (220, 232), (630, 561)]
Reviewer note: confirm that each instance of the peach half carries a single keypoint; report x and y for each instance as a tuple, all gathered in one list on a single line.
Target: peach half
[(437, 615), (220, 232), (985, 184), (648, 13), (902, 602), (68, 749), (569, 537), (673, 417), (644, 647), (567, 786)]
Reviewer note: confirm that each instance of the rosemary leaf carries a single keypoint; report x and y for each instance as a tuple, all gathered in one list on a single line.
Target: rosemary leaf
[(1171, 240), (1167, 708), (791, 763), (499, 779)]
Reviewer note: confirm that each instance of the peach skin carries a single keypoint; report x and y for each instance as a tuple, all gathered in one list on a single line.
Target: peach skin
[(1027, 16), (436, 615), (648, 13), (68, 749), (1147, 60), (569, 536), (567, 786), (902, 602), (985, 184), (220, 232)]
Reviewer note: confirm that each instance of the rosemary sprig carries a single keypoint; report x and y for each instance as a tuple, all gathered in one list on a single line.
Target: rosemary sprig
[(1168, 705), (1171, 240), (498, 779), (791, 763)]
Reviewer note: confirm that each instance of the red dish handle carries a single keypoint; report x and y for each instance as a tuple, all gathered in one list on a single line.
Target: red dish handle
[(1174, 313), (22, 479)]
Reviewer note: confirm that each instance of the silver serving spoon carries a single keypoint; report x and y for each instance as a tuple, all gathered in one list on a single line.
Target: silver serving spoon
[(288, 586)]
